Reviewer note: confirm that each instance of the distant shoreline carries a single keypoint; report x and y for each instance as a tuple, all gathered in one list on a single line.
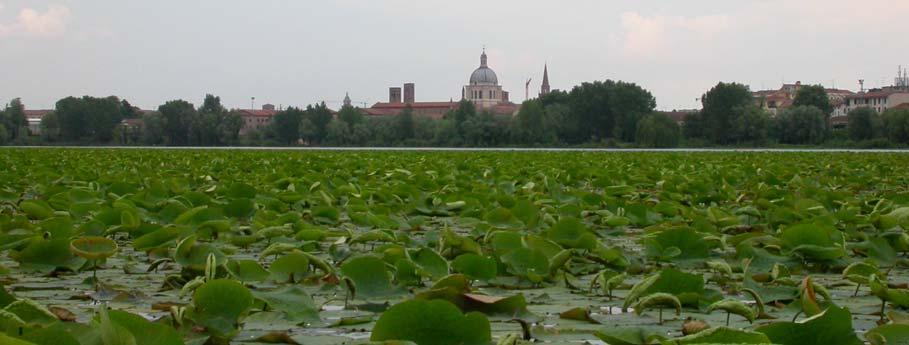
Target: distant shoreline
[(464, 149)]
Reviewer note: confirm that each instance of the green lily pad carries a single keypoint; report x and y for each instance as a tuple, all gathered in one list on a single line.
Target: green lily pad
[(431, 323), (219, 306)]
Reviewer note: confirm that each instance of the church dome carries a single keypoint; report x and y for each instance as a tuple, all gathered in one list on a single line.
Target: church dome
[(484, 76)]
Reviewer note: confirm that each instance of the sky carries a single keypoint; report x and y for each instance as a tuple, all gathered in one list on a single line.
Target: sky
[(302, 51)]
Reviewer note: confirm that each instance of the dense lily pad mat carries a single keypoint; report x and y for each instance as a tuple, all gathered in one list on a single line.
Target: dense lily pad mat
[(315, 247)]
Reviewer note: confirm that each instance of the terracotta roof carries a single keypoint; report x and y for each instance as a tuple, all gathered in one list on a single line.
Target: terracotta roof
[(677, 115), (901, 106), (876, 94), (37, 114), (133, 122), (415, 105), (257, 112)]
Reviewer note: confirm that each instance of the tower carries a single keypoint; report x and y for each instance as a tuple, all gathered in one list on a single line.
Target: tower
[(347, 100), (544, 89)]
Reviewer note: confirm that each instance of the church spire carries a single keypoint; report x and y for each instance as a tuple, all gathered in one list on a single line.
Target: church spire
[(544, 89), (483, 58)]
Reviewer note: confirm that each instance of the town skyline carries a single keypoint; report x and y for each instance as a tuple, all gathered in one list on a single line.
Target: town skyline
[(677, 51)]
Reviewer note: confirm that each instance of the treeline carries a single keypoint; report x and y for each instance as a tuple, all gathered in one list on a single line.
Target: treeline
[(729, 116), (605, 113)]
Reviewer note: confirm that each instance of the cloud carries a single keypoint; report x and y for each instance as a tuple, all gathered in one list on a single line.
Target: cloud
[(655, 36), (52, 22)]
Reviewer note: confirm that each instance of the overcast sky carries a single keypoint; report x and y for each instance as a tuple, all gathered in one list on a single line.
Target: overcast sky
[(299, 52)]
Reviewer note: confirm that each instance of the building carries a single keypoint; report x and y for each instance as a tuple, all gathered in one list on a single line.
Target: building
[(679, 116), (879, 99), (773, 101), (482, 89), (544, 88), (254, 119), (34, 118)]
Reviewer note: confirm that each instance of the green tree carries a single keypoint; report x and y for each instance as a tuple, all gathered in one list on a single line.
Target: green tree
[(608, 109), (896, 124), (466, 110), (863, 124), (813, 95), (350, 116), (4, 135), (337, 133), (721, 105), (559, 123), (657, 130), (88, 118), (801, 125), (179, 115), (14, 119), (286, 125), (405, 124), (318, 116), (50, 127), (530, 124), (751, 126), (154, 129)]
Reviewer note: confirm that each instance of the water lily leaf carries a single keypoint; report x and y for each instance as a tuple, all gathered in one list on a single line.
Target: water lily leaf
[(47, 255), (578, 314), (630, 335), (143, 331), (370, 276), (431, 262), (240, 208), (475, 266), (734, 307), (93, 247), (290, 267), (431, 323), (36, 209), (831, 327), (296, 304), (721, 335), (219, 305), (8, 340), (246, 270), (526, 262), (659, 300), (888, 334), (572, 233), (31, 313), (677, 244), (159, 238)]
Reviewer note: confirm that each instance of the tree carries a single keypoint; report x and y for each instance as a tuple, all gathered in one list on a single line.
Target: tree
[(721, 105), (179, 115), (801, 125), (896, 124), (559, 123), (153, 129), (50, 127), (608, 109), (88, 118), (863, 124), (751, 125), (657, 130), (317, 119), (405, 124), (529, 123), (14, 119), (286, 125), (694, 126), (337, 133), (4, 134), (350, 116), (466, 110), (813, 95)]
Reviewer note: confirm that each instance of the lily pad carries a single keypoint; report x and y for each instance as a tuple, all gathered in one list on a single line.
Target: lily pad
[(431, 323)]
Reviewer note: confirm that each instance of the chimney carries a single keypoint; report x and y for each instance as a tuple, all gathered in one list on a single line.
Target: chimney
[(409, 93), (394, 95)]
